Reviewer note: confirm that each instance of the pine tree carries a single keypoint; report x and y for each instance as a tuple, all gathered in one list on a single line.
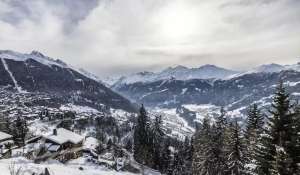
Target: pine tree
[(254, 128), (264, 155), (158, 136), (219, 136), (292, 144), (236, 157), (276, 151), (143, 139), (202, 162)]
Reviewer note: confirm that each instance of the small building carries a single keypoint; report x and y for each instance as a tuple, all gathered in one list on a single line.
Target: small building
[(6, 142), (62, 139), (59, 139)]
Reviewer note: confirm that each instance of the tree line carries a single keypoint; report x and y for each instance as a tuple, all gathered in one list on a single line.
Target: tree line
[(261, 145)]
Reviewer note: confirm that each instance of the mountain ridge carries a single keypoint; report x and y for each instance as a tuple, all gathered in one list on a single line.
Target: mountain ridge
[(207, 71), (36, 73)]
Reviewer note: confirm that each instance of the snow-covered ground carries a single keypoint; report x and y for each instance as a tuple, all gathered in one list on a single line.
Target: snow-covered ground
[(78, 109), (19, 89), (177, 126), (79, 166)]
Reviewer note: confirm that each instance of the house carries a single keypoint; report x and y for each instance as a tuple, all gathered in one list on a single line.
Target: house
[(59, 139), (6, 141), (62, 139)]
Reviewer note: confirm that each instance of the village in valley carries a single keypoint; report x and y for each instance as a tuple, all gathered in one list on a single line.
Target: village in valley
[(65, 136)]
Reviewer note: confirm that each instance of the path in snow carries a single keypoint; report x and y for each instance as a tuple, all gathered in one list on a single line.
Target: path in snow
[(19, 89)]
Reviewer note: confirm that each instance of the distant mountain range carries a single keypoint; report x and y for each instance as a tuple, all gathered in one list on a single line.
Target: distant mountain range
[(202, 72), (36, 73), (178, 72), (180, 86)]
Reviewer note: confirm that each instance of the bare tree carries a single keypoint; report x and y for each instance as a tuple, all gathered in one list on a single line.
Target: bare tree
[(14, 170)]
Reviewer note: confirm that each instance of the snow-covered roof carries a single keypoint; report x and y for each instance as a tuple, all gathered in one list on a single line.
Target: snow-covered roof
[(4, 136), (64, 136)]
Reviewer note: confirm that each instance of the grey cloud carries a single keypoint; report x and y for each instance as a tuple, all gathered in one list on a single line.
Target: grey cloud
[(120, 37), (70, 11)]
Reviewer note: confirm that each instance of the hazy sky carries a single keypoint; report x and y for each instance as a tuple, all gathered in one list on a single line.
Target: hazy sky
[(111, 37)]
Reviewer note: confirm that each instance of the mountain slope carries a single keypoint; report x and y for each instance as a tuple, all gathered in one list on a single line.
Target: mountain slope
[(36, 73)]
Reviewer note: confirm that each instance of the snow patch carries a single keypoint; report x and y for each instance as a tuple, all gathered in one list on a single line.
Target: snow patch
[(19, 89), (78, 109)]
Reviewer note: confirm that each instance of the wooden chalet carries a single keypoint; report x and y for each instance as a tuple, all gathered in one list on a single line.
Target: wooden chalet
[(60, 139)]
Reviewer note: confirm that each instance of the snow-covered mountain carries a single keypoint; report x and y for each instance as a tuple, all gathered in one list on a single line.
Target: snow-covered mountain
[(35, 73), (179, 73), (269, 68), (236, 94), (203, 72)]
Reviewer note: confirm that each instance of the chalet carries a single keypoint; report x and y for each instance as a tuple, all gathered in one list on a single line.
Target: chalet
[(59, 139), (6, 141)]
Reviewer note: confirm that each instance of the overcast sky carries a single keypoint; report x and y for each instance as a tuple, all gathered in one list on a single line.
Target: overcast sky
[(112, 37)]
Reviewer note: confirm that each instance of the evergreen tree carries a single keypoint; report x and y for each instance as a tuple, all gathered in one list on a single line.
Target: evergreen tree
[(276, 152), (254, 129), (281, 125), (158, 136), (236, 157), (202, 163), (220, 134), (142, 139)]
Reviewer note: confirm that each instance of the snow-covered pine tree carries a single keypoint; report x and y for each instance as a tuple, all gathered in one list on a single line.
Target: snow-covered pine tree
[(236, 151), (158, 136), (142, 139), (264, 155), (254, 128), (202, 162), (282, 126), (293, 146), (220, 136), (276, 152)]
